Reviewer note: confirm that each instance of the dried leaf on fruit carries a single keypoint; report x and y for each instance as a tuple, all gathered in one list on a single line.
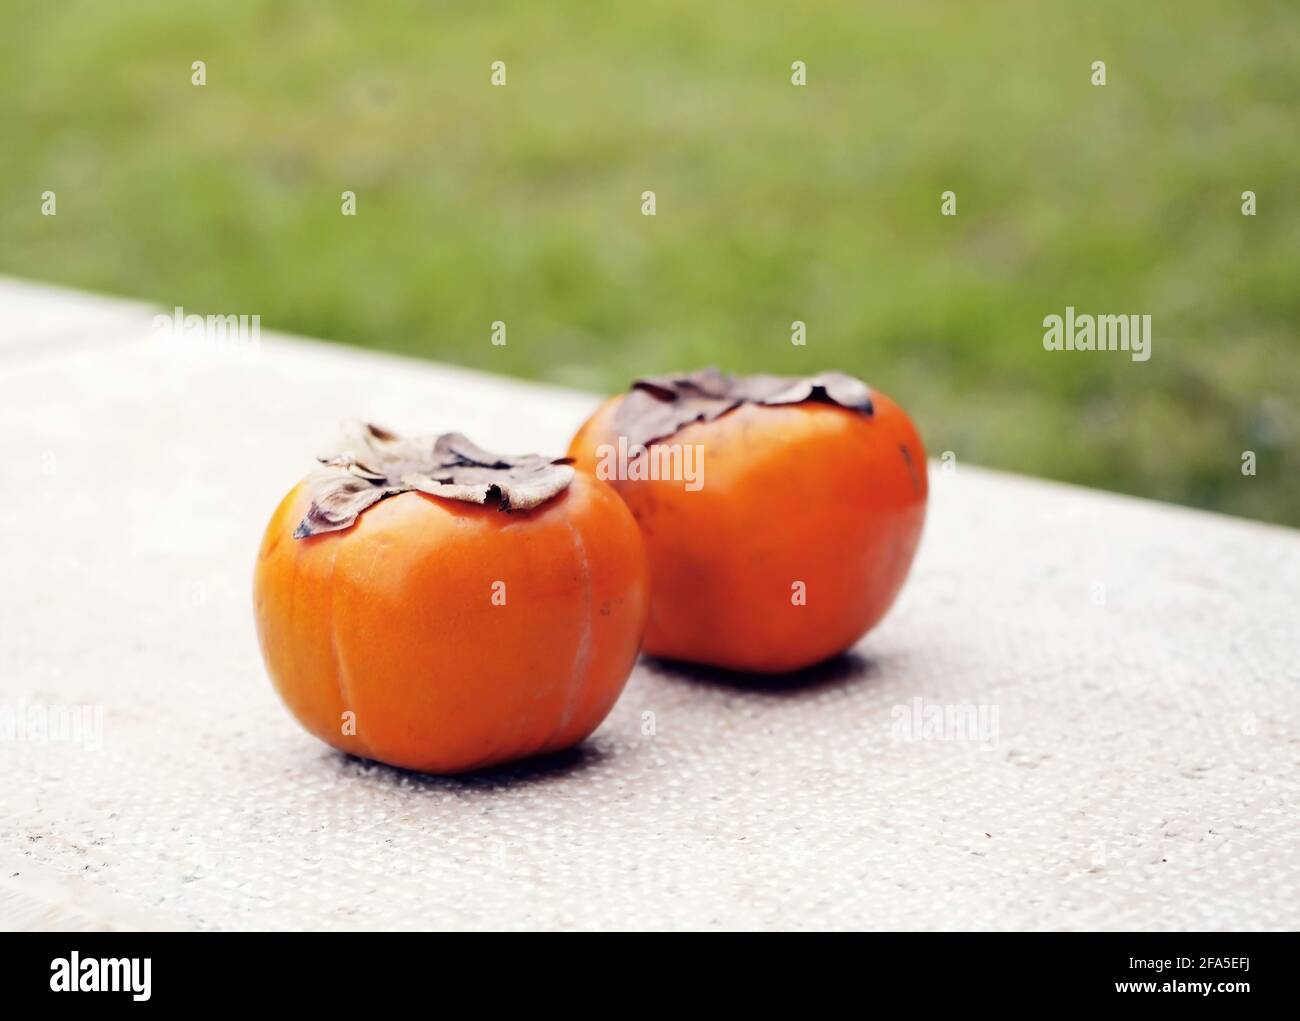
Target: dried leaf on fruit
[(374, 463), (658, 406)]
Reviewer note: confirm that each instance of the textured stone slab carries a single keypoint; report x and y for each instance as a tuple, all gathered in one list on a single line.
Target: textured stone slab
[(39, 317), (1127, 673)]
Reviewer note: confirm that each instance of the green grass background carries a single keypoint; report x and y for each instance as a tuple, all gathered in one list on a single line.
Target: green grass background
[(775, 203)]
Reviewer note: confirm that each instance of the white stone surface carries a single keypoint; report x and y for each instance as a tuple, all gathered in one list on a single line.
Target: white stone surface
[(1142, 660)]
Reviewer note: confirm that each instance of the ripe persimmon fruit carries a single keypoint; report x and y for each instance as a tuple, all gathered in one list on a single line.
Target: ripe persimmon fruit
[(427, 604), (795, 533)]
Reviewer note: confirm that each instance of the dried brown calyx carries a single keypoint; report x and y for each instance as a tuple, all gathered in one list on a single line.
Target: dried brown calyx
[(374, 463), (658, 406)]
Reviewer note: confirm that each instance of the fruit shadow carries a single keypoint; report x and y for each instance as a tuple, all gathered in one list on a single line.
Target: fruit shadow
[(846, 668), (536, 770)]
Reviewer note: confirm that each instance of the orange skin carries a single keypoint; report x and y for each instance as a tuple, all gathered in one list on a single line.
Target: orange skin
[(809, 493), (393, 619)]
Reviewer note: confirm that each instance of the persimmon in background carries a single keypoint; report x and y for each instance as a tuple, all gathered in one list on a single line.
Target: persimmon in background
[(801, 529), (432, 606)]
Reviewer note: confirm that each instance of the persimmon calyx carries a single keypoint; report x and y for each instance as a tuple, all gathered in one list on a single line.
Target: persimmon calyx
[(374, 463), (658, 406)]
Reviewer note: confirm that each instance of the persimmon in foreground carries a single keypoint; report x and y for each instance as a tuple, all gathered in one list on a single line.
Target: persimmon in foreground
[(433, 606), (780, 515)]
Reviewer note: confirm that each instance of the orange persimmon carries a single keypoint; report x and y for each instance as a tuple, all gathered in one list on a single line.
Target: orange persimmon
[(780, 515), (432, 606)]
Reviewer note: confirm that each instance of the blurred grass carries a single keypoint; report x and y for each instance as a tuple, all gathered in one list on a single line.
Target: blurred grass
[(775, 203)]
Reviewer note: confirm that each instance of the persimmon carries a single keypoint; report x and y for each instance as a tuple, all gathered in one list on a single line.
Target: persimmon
[(800, 523), (427, 604)]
